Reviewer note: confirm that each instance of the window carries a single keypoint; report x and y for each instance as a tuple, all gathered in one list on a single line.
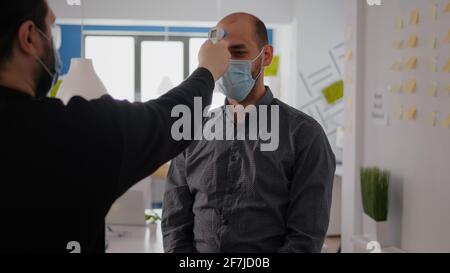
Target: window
[(162, 67), (114, 61), (145, 71), (194, 48)]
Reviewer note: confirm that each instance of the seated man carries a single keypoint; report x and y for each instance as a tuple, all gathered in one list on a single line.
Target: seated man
[(232, 196)]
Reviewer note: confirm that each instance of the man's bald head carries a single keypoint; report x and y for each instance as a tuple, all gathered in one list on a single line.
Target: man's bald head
[(259, 28)]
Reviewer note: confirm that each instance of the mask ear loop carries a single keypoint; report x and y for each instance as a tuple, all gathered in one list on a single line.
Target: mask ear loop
[(43, 66), (262, 67), (259, 55), (39, 59)]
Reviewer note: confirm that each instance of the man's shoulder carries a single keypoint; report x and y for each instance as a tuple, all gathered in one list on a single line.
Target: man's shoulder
[(297, 119)]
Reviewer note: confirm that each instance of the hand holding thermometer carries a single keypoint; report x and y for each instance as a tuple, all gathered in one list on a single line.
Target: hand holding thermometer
[(216, 34)]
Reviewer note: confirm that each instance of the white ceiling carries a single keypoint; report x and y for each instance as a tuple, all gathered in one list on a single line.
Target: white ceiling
[(270, 11)]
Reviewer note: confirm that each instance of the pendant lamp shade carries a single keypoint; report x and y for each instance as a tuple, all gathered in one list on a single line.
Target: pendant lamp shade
[(81, 80)]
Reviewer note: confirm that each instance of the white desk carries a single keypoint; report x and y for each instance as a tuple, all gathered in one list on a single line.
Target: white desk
[(339, 170), (135, 239), (360, 244)]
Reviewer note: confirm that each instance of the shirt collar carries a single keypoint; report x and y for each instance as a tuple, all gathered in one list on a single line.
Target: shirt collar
[(9, 93), (265, 100)]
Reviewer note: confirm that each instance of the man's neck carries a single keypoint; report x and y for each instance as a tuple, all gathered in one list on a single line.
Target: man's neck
[(16, 82)]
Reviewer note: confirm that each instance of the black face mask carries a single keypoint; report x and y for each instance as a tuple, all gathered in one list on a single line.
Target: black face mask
[(43, 82), (48, 72)]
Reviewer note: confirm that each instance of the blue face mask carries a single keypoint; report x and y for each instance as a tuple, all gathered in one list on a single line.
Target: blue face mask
[(48, 80), (238, 82)]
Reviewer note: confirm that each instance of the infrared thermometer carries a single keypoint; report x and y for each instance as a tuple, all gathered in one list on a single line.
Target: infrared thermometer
[(216, 34)]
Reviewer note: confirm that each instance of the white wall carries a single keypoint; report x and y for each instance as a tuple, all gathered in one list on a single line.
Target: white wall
[(320, 28), (320, 51), (417, 154), (272, 12)]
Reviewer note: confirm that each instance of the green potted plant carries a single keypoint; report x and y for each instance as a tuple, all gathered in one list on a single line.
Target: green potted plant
[(375, 199), (152, 219)]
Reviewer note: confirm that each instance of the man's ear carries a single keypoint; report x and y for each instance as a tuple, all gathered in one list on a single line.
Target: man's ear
[(268, 56), (28, 39)]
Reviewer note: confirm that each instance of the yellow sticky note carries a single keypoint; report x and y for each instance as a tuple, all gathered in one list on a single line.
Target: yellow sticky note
[(395, 88), (432, 89), (397, 66), (447, 8), (398, 112), (432, 41), (431, 119), (432, 66), (411, 113), (414, 19), (411, 86), (399, 23), (349, 55), (447, 39), (446, 68), (398, 44), (272, 69), (446, 122), (433, 12), (413, 40), (411, 63)]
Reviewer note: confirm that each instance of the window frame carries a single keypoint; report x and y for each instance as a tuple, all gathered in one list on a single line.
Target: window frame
[(140, 37)]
